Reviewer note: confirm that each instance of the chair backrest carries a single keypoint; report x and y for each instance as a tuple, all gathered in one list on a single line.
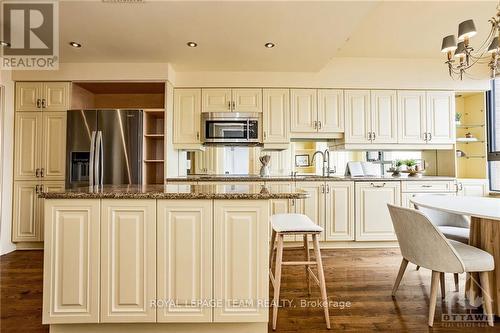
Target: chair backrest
[(441, 218), (422, 243)]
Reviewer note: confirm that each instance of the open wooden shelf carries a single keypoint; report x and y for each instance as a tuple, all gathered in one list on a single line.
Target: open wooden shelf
[(154, 146)]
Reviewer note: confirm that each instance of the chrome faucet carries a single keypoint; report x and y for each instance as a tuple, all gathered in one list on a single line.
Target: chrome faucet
[(326, 161)]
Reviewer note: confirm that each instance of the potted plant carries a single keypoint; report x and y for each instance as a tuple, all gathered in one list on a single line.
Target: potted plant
[(411, 166), (458, 116)]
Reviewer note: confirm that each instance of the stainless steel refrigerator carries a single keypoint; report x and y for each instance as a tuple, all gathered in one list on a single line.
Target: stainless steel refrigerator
[(103, 147)]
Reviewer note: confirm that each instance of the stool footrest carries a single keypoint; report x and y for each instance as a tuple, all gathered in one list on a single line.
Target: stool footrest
[(292, 263)]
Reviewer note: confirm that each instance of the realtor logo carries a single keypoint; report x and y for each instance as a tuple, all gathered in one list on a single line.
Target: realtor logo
[(32, 30)]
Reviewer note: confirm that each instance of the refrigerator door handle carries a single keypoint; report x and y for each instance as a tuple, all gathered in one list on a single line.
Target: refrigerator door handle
[(101, 166), (92, 158), (97, 159)]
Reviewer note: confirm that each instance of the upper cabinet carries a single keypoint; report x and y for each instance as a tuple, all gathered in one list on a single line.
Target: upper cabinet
[(371, 116), (42, 96), (330, 110), (275, 120), (187, 116), (232, 100), (426, 117), (304, 112)]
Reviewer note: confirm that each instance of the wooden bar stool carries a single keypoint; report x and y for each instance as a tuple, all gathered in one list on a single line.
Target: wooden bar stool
[(296, 224)]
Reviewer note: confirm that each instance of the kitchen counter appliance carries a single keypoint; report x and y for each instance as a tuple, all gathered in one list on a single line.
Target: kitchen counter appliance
[(231, 128)]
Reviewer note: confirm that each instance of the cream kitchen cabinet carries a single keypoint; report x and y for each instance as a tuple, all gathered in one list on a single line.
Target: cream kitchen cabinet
[(28, 209), (276, 116), (241, 237), (187, 117), (42, 96), (406, 197), (472, 187), (232, 100), (303, 112), (426, 117), (339, 214), (128, 260), (40, 146), (71, 262), (330, 111), (371, 116), (373, 222), (184, 235), (314, 205)]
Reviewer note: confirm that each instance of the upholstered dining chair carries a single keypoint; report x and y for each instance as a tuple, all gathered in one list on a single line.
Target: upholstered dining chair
[(422, 243)]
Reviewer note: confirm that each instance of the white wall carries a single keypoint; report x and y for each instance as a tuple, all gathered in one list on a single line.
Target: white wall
[(382, 73), (6, 154)]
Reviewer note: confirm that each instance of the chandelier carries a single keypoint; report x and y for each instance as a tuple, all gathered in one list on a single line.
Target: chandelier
[(461, 57)]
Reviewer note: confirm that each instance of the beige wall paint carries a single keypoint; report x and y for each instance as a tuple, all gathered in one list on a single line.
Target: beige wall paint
[(376, 73), (6, 149)]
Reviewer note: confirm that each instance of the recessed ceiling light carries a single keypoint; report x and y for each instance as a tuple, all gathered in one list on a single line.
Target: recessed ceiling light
[(269, 45), (4, 44), (191, 44), (75, 44)]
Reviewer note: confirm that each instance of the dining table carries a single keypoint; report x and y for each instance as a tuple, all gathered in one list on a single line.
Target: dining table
[(484, 213)]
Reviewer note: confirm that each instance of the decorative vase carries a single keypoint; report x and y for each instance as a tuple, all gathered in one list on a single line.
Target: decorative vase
[(264, 169)]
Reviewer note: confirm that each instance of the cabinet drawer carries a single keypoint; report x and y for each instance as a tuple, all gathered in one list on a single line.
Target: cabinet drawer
[(428, 186)]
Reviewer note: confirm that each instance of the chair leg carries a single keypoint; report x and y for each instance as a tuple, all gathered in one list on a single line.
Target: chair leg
[(321, 278), (401, 272), (277, 279), (308, 258), (443, 285), (485, 288), (271, 251), (418, 267), (432, 299), (455, 276)]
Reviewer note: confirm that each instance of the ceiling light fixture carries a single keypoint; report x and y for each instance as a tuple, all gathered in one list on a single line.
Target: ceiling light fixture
[(269, 45), (466, 56), (191, 44), (75, 44), (4, 44)]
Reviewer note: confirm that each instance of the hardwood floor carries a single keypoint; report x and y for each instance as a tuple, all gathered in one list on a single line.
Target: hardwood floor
[(362, 277)]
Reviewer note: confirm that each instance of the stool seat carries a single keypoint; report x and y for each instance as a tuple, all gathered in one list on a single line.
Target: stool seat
[(283, 223)]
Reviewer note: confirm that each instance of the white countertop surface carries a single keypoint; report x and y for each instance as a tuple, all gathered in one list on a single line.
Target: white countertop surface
[(488, 208)]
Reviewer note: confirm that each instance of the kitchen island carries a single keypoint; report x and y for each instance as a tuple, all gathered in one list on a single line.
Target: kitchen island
[(190, 258)]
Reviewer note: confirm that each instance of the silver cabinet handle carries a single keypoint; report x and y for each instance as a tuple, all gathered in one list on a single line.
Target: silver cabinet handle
[(373, 136), (38, 103), (430, 136), (319, 125), (327, 188), (36, 189), (428, 186), (233, 104), (197, 135), (229, 105), (322, 188), (315, 124), (425, 136), (42, 172), (37, 172), (43, 103), (370, 136), (265, 135), (293, 202), (377, 185)]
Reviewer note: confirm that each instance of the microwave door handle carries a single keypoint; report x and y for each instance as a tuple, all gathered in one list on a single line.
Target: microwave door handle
[(92, 159)]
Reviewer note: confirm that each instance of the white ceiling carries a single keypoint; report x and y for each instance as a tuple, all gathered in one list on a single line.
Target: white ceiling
[(231, 35)]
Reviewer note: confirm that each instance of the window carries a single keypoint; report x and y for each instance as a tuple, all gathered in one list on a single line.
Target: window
[(493, 107)]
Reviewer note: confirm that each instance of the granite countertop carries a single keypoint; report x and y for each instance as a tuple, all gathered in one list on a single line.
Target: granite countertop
[(237, 192), (299, 178)]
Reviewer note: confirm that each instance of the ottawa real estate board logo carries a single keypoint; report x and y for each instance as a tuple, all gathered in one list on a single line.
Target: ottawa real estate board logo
[(30, 35)]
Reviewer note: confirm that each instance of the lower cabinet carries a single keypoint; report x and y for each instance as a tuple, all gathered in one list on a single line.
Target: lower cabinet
[(184, 260), (406, 197), (339, 215), (472, 187), (240, 260), (128, 260), (373, 222), (28, 214), (71, 262)]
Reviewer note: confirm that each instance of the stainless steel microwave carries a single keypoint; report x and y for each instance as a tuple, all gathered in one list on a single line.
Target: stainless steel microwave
[(231, 128)]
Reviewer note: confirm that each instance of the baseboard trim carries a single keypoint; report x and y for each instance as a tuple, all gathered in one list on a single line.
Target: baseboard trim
[(29, 246)]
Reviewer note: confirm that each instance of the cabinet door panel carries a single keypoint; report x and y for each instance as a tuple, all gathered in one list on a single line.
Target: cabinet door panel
[(247, 100), (48, 187), (55, 96), (241, 245), (441, 116), (216, 100), (330, 110), (187, 116), (313, 206), (373, 221), (411, 117), (128, 260), (276, 120), (71, 262), (339, 219), (54, 145), (357, 116), (26, 222), (184, 236), (28, 96), (303, 110), (28, 140), (384, 116)]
